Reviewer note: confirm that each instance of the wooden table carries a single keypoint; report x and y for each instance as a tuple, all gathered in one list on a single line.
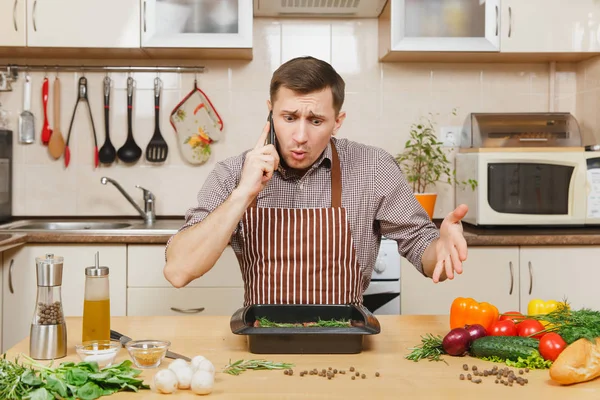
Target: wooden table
[(383, 353)]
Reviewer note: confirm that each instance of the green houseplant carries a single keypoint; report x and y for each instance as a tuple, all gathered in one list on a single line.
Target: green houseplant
[(424, 163)]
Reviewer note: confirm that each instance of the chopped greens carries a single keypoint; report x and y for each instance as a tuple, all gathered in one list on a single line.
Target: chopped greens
[(240, 366)]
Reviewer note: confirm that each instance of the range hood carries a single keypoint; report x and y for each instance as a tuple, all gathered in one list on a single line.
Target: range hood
[(319, 8)]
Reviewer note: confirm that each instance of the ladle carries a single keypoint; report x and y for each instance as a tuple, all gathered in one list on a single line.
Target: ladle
[(107, 153), (130, 152)]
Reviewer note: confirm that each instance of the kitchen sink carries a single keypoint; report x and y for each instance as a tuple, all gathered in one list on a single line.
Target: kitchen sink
[(68, 226), (93, 226)]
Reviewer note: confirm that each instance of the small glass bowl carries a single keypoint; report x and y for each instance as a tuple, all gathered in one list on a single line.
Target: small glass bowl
[(103, 352), (147, 353)]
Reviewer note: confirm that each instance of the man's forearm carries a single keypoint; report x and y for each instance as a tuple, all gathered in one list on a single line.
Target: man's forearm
[(194, 251), (429, 259)]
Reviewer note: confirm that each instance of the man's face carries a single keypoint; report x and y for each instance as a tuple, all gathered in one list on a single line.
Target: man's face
[(304, 123)]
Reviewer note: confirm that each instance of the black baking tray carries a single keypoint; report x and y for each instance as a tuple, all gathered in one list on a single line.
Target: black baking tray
[(304, 340)]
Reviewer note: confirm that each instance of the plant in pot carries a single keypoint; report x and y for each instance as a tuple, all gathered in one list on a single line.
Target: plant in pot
[(424, 163)]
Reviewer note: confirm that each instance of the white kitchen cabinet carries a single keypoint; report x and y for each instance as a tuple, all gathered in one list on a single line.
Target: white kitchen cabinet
[(433, 25), (20, 283), (490, 274), (145, 265), (83, 24), (13, 31), (196, 24), (551, 26), (184, 301), (555, 273)]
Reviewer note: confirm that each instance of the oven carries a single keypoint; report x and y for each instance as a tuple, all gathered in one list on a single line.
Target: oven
[(383, 293)]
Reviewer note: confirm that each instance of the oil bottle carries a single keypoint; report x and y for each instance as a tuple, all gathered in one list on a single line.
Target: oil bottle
[(96, 304)]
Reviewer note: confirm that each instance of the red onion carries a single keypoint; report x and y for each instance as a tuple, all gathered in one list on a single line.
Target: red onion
[(476, 331), (456, 342)]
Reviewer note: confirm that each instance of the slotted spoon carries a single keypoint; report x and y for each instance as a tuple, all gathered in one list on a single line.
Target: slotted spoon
[(157, 148)]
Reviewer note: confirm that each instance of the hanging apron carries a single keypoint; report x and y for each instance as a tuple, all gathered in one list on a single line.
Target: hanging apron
[(301, 255)]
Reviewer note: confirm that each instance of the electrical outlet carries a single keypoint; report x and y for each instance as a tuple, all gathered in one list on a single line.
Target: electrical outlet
[(450, 135)]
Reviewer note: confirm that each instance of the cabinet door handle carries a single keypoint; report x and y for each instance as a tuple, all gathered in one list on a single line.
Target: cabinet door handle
[(188, 310), (530, 277), (509, 21), (512, 277), (144, 16), (497, 22), (10, 285), (15, 15), (33, 15)]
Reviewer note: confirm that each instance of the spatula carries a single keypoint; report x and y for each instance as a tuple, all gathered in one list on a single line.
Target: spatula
[(56, 145), (26, 119), (157, 148)]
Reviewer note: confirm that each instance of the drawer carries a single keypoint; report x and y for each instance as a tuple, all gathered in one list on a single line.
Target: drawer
[(145, 264), (159, 301)]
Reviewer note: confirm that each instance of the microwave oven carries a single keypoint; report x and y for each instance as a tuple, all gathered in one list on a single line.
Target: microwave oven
[(530, 188)]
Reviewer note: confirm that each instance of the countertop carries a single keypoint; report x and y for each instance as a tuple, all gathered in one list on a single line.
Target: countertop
[(12, 234), (383, 353)]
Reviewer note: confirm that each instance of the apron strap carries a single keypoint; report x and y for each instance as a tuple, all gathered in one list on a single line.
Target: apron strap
[(336, 180)]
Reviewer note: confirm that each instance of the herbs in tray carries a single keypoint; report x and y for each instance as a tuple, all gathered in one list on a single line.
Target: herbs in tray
[(332, 323), (85, 381)]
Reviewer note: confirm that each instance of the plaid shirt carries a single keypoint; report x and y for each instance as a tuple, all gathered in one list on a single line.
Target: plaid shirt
[(375, 194)]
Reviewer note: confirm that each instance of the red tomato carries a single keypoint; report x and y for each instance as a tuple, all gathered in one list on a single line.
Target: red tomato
[(551, 345), (515, 316), (503, 328), (529, 327)]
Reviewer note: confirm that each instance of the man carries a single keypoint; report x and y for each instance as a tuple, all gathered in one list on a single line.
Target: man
[(305, 215)]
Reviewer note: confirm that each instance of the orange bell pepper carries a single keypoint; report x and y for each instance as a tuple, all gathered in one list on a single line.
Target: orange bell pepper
[(466, 311)]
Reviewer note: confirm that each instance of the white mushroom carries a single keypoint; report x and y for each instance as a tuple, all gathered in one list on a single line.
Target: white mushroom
[(165, 381), (202, 382), (184, 376), (178, 363), (206, 365), (196, 360)]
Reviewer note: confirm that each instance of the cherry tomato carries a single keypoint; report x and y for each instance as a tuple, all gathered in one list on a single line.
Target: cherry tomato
[(551, 345), (515, 316), (529, 327), (503, 328)]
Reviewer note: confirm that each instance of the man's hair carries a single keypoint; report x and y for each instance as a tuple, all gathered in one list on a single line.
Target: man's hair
[(306, 75)]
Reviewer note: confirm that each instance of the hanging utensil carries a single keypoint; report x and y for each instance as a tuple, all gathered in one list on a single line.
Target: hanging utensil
[(56, 146), (130, 152), (81, 96), (107, 153), (46, 131), (197, 125), (26, 119), (157, 149)]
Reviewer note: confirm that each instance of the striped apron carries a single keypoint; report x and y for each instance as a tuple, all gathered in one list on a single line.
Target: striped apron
[(300, 255)]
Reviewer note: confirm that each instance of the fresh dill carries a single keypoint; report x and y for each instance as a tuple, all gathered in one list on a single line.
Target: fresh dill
[(572, 325)]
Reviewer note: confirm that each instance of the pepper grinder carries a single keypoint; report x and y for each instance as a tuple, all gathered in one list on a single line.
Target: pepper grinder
[(48, 333)]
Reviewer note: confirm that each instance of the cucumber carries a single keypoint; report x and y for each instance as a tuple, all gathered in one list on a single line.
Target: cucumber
[(505, 347)]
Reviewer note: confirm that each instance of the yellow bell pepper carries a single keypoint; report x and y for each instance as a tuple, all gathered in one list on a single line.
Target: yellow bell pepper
[(540, 307)]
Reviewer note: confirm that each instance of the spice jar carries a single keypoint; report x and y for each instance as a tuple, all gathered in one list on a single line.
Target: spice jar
[(48, 332), (96, 304)]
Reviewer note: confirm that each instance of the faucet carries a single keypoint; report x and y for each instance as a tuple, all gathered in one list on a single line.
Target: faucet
[(148, 212)]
